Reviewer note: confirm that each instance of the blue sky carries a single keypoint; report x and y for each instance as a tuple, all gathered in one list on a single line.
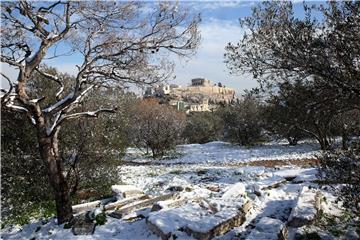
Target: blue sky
[(220, 25)]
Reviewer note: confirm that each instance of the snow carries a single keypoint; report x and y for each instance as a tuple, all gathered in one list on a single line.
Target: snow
[(59, 103), (201, 166), (235, 190), (122, 190), (226, 153), (266, 229), (305, 205)]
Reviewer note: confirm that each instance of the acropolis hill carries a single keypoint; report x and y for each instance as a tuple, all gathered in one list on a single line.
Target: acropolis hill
[(201, 95)]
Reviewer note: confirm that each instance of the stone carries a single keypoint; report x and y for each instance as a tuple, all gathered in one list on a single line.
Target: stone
[(139, 205), (215, 225), (168, 204), (125, 201), (270, 229), (83, 226), (213, 188), (175, 189), (306, 209), (236, 190), (196, 220), (80, 208), (125, 191)]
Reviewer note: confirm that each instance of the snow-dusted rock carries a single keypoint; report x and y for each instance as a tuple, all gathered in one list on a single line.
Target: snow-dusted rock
[(171, 203), (139, 205), (269, 229), (166, 222), (216, 224), (236, 190), (79, 208), (125, 191), (83, 226), (306, 208), (122, 202), (198, 220)]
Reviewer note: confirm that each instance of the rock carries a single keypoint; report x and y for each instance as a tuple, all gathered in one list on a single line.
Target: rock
[(139, 205), (270, 229), (216, 225), (213, 188), (246, 207), (196, 220), (83, 226), (166, 222), (201, 172), (79, 208), (236, 190), (168, 204), (125, 191), (274, 185), (306, 208), (351, 234), (289, 178), (125, 201), (175, 189)]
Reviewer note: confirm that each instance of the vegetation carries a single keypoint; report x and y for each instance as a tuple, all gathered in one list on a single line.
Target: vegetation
[(242, 121), (158, 127), (116, 47), (203, 127), (310, 68)]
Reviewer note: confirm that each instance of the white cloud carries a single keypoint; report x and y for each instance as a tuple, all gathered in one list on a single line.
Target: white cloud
[(209, 60), (213, 5)]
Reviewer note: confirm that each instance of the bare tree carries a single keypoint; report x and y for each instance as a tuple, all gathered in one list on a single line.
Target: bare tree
[(118, 43)]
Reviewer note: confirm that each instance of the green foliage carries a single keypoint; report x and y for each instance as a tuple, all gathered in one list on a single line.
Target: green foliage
[(29, 211), (203, 127), (101, 218), (91, 151), (342, 167), (243, 122)]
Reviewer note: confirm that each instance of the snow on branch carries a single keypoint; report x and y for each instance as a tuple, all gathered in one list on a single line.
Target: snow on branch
[(89, 114), (55, 79)]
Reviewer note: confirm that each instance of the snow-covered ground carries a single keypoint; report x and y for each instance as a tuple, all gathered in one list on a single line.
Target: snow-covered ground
[(222, 153), (206, 172)]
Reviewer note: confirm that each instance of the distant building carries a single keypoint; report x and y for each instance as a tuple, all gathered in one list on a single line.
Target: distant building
[(200, 96)]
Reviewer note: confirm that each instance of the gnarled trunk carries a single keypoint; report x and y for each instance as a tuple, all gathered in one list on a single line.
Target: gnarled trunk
[(48, 146)]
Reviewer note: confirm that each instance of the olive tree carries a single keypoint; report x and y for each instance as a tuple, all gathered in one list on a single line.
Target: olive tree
[(243, 123), (117, 43)]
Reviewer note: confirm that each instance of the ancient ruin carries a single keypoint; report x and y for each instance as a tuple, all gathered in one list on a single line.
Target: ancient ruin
[(200, 96)]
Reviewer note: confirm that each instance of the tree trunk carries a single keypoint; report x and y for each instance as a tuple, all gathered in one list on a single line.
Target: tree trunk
[(345, 137), (48, 146)]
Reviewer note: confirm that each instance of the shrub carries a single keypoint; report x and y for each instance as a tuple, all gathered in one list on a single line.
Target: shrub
[(157, 127), (203, 127), (242, 121), (343, 168)]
